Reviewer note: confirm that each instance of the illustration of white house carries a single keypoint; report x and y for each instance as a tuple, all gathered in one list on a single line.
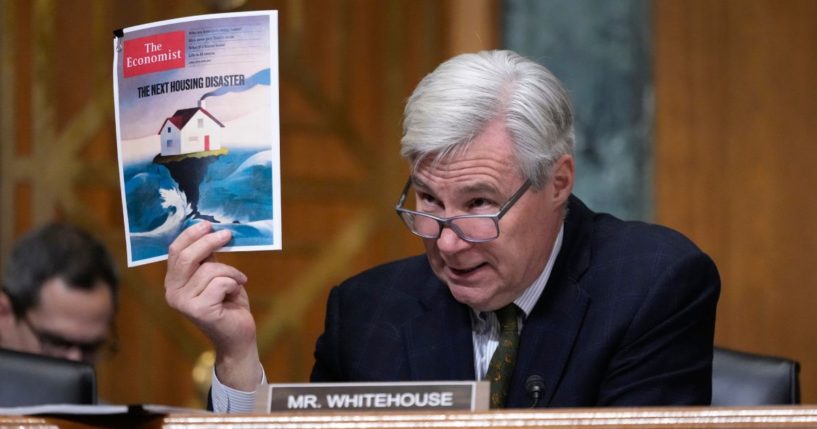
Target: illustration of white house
[(190, 130)]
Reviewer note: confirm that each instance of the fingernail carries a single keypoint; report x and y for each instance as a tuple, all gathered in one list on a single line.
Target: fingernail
[(224, 234)]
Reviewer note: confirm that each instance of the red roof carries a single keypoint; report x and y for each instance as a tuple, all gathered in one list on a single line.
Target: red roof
[(182, 117)]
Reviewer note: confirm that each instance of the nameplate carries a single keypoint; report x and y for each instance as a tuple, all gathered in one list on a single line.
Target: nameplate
[(404, 396)]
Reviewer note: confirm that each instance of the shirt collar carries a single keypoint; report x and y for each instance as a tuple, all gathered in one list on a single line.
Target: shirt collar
[(531, 295)]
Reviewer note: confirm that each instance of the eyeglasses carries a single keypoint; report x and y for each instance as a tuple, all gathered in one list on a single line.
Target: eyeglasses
[(477, 228), (57, 345)]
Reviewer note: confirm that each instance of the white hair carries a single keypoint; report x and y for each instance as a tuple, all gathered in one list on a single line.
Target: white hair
[(453, 104)]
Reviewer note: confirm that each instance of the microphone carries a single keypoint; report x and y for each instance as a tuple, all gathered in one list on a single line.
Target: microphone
[(535, 386)]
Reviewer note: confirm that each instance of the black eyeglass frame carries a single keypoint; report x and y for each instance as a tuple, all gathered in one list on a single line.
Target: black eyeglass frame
[(448, 222), (50, 340)]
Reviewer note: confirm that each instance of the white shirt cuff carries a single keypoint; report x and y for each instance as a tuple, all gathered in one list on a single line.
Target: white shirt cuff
[(228, 400)]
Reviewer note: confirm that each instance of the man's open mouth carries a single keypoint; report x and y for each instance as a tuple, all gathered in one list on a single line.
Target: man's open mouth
[(462, 272)]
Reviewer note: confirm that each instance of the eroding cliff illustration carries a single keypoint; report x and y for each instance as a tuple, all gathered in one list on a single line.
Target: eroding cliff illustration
[(231, 188), (188, 171)]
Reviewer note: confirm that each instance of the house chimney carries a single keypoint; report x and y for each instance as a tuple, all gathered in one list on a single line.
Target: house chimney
[(202, 104)]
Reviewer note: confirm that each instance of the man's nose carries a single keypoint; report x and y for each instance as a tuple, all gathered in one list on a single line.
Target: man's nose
[(450, 242), (73, 353)]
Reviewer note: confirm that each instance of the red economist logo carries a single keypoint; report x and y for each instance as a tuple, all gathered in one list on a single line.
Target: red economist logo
[(154, 53)]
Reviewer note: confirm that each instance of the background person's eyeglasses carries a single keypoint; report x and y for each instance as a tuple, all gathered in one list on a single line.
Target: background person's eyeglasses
[(477, 228), (55, 345)]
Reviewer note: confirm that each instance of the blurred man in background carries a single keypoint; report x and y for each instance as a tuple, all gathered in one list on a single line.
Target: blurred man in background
[(58, 295)]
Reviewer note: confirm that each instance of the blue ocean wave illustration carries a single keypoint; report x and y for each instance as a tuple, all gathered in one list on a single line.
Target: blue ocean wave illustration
[(235, 193)]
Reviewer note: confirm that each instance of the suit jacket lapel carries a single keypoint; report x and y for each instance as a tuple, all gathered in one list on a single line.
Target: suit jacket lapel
[(438, 342), (552, 327), (547, 340)]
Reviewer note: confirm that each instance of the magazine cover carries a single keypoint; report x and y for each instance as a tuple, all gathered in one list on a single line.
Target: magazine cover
[(197, 130)]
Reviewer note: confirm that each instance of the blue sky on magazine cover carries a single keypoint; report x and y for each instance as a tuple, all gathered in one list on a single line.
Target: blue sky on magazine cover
[(229, 179)]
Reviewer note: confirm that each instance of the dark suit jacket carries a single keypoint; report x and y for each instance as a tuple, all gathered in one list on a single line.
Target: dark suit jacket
[(627, 318)]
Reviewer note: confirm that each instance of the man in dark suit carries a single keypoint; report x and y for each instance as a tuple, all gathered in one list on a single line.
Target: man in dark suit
[(605, 312)]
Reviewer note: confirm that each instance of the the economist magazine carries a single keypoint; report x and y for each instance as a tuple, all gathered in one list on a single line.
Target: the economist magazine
[(197, 129)]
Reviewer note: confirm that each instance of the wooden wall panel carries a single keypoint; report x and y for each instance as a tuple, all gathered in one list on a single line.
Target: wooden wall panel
[(346, 68), (735, 161)]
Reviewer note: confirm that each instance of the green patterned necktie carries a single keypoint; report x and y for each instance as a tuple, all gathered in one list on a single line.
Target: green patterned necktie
[(500, 369)]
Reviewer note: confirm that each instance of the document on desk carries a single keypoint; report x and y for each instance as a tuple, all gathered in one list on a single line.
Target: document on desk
[(96, 410), (197, 129)]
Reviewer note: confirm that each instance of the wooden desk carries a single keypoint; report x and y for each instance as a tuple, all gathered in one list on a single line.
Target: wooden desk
[(642, 418)]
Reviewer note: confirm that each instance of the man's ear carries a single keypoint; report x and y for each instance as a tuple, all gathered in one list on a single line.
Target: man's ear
[(5, 305), (7, 317), (562, 179)]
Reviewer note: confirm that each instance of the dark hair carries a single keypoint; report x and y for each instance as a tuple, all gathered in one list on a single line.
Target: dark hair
[(56, 250)]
